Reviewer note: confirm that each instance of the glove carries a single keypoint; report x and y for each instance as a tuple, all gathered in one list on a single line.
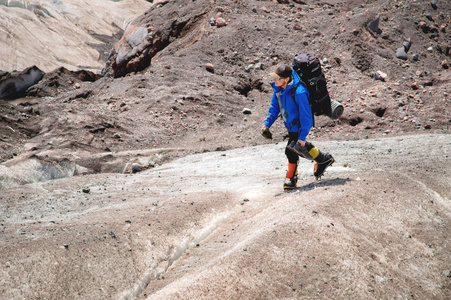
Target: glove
[(266, 133)]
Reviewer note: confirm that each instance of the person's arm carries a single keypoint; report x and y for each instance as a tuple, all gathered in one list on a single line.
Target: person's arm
[(273, 112)]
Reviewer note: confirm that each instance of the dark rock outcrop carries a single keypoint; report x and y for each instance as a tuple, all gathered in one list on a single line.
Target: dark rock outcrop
[(13, 85)]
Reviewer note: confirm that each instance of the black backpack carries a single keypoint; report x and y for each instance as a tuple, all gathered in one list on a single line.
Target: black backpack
[(308, 68)]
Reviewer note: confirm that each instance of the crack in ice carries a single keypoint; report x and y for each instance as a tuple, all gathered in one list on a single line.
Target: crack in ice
[(154, 273)]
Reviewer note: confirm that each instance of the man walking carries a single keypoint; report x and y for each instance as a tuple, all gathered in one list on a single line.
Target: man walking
[(290, 100)]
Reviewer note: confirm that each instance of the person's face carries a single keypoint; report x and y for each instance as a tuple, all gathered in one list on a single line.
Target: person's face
[(281, 82)]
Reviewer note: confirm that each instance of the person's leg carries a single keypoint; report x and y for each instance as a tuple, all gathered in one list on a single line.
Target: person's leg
[(292, 172), (310, 152)]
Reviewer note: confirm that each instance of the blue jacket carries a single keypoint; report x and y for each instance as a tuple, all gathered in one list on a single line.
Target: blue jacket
[(297, 117)]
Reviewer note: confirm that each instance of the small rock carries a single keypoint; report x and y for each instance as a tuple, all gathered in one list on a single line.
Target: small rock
[(434, 4), (259, 66), (86, 190), (415, 86), (136, 168), (415, 57), (380, 76), (247, 111), (445, 64), (249, 68), (77, 86), (407, 45), (210, 67), (443, 28), (128, 221), (220, 22), (374, 25), (430, 49), (401, 53)]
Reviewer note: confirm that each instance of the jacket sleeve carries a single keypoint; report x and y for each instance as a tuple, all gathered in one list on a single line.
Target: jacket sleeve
[(273, 112), (305, 114)]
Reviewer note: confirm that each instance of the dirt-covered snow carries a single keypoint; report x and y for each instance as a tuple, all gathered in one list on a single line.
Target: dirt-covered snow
[(218, 225)]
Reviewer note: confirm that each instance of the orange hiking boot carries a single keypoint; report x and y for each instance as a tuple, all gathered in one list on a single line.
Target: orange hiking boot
[(292, 177)]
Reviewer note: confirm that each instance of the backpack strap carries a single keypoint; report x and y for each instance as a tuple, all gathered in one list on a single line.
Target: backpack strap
[(315, 80), (293, 91)]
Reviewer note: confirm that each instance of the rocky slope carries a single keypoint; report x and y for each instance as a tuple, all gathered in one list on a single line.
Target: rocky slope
[(197, 75)]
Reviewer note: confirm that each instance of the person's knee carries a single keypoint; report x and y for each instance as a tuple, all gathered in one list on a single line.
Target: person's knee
[(292, 157)]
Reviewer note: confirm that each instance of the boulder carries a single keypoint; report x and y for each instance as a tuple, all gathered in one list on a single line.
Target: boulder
[(141, 41)]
